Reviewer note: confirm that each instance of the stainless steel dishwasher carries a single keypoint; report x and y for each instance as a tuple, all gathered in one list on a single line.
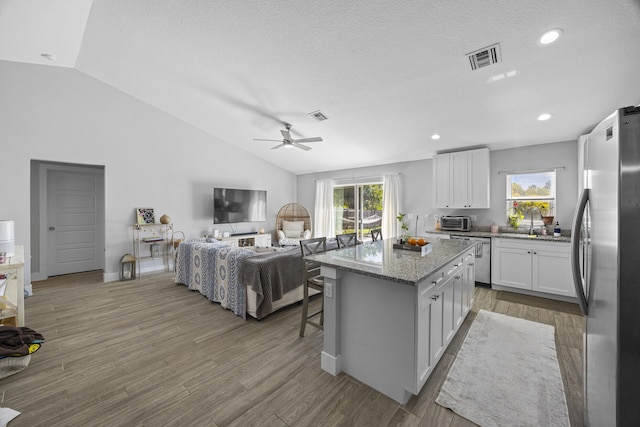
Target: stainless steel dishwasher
[(483, 257)]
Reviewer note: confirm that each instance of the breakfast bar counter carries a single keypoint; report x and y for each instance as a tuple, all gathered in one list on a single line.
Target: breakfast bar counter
[(390, 313)]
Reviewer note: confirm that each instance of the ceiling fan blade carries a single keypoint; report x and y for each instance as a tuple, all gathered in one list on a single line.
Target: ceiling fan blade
[(272, 140), (286, 135), (314, 139), (277, 146), (304, 147)]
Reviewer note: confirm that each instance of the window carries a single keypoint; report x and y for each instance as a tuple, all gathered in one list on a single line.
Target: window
[(357, 208), (531, 193)]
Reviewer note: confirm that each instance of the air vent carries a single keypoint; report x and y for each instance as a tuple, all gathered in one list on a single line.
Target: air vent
[(318, 116), (484, 57)]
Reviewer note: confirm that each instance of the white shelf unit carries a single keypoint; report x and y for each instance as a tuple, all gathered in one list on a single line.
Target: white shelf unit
[(146, 235)]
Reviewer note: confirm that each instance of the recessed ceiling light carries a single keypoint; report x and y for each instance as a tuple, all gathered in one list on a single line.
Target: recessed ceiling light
[(549, 37), (49, 56), (544, 116), (435, 136)]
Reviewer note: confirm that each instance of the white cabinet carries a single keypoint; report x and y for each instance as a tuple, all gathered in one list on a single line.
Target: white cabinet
[(461, 179), (251, 240), (536, 266), (443, 303)]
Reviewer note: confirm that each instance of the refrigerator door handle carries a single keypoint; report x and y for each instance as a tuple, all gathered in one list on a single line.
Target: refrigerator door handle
[(575, 251)]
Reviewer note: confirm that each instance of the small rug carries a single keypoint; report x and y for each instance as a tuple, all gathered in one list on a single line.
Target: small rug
[(506, 374)]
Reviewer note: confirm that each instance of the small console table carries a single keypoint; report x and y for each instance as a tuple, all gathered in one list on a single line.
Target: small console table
[(13, 272)]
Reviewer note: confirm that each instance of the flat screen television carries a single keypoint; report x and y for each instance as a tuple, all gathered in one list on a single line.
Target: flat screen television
[(232, 205)]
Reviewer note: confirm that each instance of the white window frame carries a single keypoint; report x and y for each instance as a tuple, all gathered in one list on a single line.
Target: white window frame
[(551, 198)]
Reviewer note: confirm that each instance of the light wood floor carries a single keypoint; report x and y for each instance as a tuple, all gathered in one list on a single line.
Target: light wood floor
[(153, 353)]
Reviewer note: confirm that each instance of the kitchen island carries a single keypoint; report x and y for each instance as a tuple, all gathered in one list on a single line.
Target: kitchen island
[(389, 314)]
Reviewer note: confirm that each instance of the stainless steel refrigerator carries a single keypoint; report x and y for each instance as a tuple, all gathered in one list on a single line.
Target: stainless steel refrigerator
[(606, 269)]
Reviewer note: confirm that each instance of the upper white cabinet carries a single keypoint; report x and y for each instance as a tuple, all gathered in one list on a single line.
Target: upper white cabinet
[(461, 179)]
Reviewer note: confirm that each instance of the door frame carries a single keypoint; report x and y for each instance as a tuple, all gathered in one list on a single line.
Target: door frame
[(39, 230)]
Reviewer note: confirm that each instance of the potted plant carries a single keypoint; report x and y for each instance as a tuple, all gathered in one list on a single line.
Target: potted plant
[(515, 217), (403, 226)]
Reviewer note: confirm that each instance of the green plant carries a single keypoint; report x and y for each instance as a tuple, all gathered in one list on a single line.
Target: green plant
[(515, 217), (400, 218)]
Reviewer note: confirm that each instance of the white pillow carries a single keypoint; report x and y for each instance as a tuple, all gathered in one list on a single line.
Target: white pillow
[(306, 234), (280, 234), (293, 229), (292, 234)]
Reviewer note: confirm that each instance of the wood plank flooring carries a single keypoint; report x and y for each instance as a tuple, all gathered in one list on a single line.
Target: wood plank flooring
[(153, 353)]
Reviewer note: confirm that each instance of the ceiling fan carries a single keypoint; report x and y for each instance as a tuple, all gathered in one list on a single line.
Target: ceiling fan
[(289, 142)]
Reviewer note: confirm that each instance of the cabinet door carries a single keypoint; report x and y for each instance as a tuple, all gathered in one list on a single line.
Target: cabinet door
[(449, 320), (478, 179), (441, 185), (459, 180), (423, 335), (470, 284), (511, 267), (436, 326), (552, 273)]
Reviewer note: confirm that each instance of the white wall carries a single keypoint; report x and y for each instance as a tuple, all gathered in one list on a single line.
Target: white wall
[(417, 183), (150, 158)]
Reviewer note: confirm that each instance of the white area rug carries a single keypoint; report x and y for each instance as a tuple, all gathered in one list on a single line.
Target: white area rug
[(506, 374)]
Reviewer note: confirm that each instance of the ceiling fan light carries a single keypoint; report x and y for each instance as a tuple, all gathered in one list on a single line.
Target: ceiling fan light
[(288, 145), (544, 116), (435, 136)]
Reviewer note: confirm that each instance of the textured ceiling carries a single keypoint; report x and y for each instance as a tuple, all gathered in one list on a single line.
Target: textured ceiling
[(388, 74)]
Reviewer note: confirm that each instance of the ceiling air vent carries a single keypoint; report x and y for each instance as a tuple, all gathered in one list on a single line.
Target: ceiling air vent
[(484, 57), (318, 116)]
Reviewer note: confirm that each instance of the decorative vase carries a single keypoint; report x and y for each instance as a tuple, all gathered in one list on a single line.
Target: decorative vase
[(261, 231), (165, 219)]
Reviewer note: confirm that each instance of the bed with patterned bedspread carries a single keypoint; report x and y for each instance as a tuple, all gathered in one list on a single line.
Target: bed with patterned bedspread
[(241, 280)]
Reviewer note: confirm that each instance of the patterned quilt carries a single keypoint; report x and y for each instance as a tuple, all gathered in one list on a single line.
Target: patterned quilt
[(212, 269)]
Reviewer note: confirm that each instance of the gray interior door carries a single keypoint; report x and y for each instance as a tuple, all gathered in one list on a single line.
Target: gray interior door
[(75, 212)]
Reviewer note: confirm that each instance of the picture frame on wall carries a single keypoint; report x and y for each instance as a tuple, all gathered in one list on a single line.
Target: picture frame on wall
[(145, 216)]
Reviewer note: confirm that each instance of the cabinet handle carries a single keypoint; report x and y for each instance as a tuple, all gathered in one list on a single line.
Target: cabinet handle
[(535, 253), (528, 252)]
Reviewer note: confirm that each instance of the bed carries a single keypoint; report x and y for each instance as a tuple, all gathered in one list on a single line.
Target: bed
[(247, 282)]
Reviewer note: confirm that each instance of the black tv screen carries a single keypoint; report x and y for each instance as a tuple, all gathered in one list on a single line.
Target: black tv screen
[(231, 205)]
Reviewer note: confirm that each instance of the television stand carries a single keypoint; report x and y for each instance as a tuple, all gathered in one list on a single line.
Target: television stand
[(248, 240)]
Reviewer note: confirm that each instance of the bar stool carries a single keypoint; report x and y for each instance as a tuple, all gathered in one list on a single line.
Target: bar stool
[(313, 280), (346, 239), (376, 234)]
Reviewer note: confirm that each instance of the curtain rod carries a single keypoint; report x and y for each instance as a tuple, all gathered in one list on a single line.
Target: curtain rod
[(362, 177), (553, 168)]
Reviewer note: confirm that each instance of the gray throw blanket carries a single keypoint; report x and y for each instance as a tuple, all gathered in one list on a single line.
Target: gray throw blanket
[(271, 275)]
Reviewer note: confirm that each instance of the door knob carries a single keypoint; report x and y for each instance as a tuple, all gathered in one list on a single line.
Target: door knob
[(51, 228)]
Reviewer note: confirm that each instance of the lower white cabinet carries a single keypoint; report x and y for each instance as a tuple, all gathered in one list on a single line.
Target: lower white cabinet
[(257, 240), (444, 299), (532, 266)]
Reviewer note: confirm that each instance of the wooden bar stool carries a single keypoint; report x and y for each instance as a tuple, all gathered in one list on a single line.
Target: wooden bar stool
[(313, 280), (347, 239)]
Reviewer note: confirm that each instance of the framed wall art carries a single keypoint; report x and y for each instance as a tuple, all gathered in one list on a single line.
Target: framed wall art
[(145, 216)]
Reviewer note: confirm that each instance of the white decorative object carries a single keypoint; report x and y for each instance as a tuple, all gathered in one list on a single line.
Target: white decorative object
[(7, 237)]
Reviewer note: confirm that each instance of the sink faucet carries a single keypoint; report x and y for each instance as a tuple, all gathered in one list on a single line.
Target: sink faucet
[(531, 226)]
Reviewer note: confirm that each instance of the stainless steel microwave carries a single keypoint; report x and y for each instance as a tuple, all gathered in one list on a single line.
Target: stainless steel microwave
[(455, 223)]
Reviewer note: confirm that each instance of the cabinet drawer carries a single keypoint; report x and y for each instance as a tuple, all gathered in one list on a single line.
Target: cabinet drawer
[(532, 244)]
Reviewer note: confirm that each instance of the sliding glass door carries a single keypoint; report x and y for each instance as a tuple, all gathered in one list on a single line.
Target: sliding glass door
[(357, 208)]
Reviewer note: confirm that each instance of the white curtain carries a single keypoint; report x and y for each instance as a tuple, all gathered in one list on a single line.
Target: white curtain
[(323, 214), (390, 206)]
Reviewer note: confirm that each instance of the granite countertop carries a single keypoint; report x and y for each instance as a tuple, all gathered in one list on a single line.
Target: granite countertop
[(481, 232), (381, 260)]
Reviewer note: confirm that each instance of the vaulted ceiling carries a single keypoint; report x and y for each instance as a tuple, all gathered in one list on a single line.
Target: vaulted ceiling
[(388, 74)]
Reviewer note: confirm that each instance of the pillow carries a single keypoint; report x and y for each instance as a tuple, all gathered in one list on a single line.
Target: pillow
[(280, 234), (292, 234), (306, 234), (293, 226)]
